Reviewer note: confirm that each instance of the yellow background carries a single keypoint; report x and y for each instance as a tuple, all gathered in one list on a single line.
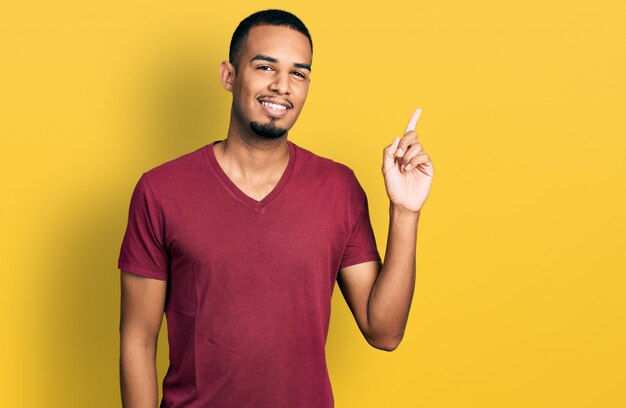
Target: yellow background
[(520, 298)]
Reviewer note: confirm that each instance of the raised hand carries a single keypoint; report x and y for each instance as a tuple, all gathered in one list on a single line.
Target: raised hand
[(407, 169)]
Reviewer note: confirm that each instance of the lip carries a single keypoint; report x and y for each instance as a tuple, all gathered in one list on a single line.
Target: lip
[(284, 103), (274, 112)]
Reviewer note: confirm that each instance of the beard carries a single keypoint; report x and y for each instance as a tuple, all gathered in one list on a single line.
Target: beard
[(267, 130)]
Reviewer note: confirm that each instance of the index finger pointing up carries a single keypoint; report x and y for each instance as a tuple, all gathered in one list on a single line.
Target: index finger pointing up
[(413, 120)]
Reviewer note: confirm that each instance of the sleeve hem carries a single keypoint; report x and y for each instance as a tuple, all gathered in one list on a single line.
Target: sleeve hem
[(371, 256), (140, 270)]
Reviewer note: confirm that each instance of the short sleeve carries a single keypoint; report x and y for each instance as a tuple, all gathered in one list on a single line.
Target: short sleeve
[(143, 250), (361, 245)]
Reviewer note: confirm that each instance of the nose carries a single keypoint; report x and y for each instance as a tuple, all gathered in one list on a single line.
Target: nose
[(280, 84)]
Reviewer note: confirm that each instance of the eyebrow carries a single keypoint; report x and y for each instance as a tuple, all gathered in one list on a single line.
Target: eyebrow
[(274, 60)]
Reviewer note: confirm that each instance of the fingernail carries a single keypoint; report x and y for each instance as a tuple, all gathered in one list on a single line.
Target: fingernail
[(400, 152), (408, 167), (402, 167)]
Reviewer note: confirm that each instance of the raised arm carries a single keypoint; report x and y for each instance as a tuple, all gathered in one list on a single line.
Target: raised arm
[(142, 306), (380, 296)]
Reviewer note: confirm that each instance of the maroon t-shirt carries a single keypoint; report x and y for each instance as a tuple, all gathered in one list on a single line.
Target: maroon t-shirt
[(249, 282)]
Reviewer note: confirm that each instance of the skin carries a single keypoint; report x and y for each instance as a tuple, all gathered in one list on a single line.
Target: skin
[(142, 307), (255, 164), (379, 295)]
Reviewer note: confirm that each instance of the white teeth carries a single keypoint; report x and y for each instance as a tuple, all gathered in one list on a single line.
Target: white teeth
[(273, 105)]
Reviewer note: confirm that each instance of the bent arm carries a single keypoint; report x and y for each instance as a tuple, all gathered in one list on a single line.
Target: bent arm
[(141, 315), (380, 297)]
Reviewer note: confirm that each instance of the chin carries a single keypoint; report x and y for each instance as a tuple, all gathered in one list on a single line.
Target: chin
[(268, 130)]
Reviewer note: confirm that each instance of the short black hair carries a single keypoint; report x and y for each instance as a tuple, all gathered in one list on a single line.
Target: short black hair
[(272, 17)]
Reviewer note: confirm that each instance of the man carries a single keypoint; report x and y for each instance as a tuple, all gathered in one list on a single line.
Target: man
[(242, 240)]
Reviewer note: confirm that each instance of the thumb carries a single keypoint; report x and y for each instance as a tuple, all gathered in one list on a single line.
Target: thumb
[(389, 152)]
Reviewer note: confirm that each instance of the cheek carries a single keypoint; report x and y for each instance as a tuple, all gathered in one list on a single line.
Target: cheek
[(302, 95)]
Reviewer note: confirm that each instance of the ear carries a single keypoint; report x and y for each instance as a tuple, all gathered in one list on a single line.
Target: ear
[(227, 75)]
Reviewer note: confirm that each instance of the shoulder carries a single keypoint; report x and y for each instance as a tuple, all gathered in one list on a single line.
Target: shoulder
[(181, 168), (334, 179), (322, 167)]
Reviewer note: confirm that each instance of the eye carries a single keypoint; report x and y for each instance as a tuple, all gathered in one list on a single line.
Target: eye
[(300, 74), (263, 67)]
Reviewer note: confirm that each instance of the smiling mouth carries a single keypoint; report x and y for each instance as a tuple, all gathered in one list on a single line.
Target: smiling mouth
[(274, 109)]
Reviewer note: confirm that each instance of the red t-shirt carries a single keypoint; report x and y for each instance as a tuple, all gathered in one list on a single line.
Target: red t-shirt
[(249, 282)]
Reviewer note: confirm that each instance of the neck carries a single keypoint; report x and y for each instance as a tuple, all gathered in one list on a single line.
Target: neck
[(251, 157)]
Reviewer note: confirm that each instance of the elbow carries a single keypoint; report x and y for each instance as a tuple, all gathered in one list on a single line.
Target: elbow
[(385, 344)]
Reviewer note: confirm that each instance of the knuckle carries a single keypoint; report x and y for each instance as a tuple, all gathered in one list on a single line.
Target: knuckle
[(416, 148)]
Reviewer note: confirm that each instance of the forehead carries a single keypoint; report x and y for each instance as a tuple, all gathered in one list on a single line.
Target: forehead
[(282, 43)]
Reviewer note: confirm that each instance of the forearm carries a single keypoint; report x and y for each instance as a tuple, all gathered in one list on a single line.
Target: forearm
[(390, 299), (138, 377)]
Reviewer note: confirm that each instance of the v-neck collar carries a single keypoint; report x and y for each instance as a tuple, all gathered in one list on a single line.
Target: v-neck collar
[(236, 192)]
